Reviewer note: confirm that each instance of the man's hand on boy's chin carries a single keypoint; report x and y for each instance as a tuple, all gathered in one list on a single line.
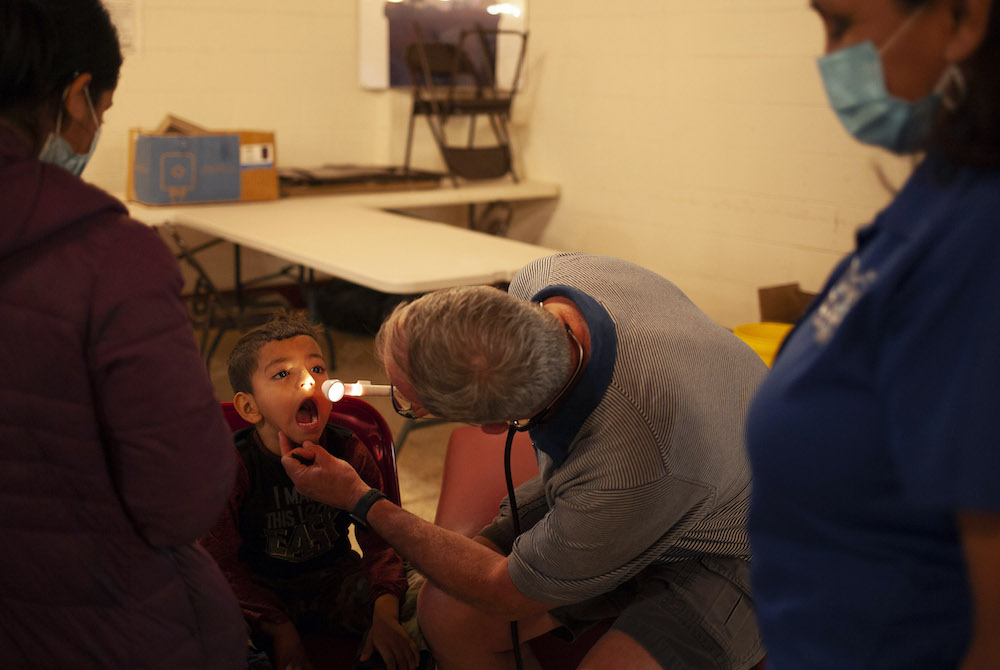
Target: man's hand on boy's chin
[(321, 476)]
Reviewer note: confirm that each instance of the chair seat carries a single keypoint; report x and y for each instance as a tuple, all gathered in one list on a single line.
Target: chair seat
[(478, 162), (464, 103)]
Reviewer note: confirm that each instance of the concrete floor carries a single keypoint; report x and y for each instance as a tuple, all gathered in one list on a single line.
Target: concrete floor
[(421, 459)]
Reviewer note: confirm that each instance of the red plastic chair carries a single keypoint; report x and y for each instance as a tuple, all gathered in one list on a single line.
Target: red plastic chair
[(472, 487), (471, 490), (332, 652)]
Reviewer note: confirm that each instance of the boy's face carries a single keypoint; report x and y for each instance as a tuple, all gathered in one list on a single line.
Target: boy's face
[(286, 391)]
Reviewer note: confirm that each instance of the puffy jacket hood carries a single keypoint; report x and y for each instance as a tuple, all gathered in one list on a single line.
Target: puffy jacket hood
[(38, 199)]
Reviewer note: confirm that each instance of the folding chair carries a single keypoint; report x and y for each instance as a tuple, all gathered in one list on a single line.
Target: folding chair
[(448, 84), (332, 652)]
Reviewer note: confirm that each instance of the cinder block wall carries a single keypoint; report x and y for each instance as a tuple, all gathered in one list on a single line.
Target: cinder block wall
[(690, 137), (695, 138), (290, 67)]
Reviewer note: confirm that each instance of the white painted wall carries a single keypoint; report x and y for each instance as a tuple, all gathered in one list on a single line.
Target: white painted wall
[(692, 137), (287, 66)]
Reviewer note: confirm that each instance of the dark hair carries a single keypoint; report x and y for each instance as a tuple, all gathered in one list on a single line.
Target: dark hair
[(243, 358), (44, 44), (970, 135)]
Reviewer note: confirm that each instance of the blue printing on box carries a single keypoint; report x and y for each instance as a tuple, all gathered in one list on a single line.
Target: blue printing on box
[(187, 169)]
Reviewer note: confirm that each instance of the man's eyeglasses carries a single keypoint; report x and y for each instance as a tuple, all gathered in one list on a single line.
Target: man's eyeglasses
[(403, 407)]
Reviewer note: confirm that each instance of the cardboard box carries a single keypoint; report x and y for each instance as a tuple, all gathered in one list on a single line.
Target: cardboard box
[(180, 162), (784, 303)]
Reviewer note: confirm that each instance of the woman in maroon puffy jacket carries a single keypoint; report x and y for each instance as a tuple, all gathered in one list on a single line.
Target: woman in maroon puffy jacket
[(114, 457)]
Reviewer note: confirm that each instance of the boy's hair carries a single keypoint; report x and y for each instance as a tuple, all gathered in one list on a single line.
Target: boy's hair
[(243, 358)]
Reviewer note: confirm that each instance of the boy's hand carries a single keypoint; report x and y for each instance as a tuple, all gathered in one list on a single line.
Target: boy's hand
[(328, 479), (386, 635), (289, 654)]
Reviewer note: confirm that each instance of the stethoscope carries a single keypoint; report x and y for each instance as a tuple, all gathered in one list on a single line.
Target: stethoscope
[(518, 427)]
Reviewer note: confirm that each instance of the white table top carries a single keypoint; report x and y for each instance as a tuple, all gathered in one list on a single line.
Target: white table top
[(447, 195), (342, 236)]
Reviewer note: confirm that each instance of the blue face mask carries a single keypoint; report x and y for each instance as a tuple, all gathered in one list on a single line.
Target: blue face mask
[(855, 85), (57, 150)]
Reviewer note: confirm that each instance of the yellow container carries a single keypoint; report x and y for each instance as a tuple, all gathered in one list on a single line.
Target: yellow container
[(764, 338)]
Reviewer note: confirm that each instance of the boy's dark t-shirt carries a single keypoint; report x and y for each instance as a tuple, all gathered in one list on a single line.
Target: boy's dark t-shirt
[(286, 555)]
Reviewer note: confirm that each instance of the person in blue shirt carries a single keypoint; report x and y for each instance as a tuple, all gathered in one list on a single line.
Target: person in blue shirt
[(875, 517)]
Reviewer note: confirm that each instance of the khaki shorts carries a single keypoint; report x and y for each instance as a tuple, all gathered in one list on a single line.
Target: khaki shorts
[(692, 615)]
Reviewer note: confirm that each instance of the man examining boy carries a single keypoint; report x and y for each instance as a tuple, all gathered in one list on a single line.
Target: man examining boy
[(289, 558), (636, 401)]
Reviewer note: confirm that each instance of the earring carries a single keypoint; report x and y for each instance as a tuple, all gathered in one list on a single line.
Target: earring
[(952, 88)]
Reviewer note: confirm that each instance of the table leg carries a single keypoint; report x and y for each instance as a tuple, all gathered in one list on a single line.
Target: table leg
[(307, 287), (237, 276)]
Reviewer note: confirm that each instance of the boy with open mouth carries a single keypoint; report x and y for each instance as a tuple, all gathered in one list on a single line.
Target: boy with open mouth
[(288, 558)]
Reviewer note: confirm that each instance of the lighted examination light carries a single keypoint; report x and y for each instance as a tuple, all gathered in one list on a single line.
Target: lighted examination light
[(335, 390), (504, 8)]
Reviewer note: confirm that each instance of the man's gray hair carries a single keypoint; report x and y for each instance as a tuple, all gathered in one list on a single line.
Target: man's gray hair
[(477, 354)]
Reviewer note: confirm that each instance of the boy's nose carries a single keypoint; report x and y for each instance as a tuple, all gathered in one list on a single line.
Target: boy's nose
[(306, 381)]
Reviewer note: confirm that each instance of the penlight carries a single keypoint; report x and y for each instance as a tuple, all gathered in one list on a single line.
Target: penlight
[(335, 390)]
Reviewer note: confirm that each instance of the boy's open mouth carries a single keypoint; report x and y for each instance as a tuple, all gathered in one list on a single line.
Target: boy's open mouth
[(307, 414)]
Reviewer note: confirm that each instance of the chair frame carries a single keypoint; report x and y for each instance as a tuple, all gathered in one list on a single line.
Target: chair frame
[(429, 62)]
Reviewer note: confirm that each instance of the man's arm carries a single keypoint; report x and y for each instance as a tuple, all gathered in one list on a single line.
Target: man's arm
[(465, 569)]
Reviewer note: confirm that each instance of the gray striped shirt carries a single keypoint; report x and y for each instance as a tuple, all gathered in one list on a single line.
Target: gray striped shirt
[(657, 471)]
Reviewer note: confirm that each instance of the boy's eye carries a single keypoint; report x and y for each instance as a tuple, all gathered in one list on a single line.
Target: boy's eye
[(318, 369), (281, 374)]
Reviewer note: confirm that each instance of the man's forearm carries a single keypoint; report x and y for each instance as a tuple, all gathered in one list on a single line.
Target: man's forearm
[(460, 566)]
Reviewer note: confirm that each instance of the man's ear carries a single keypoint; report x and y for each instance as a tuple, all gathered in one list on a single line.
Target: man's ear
[(495, 428), (971, 19), (246, 407)]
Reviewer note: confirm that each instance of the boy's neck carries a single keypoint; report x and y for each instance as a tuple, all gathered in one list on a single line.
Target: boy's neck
[(269, 440)]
